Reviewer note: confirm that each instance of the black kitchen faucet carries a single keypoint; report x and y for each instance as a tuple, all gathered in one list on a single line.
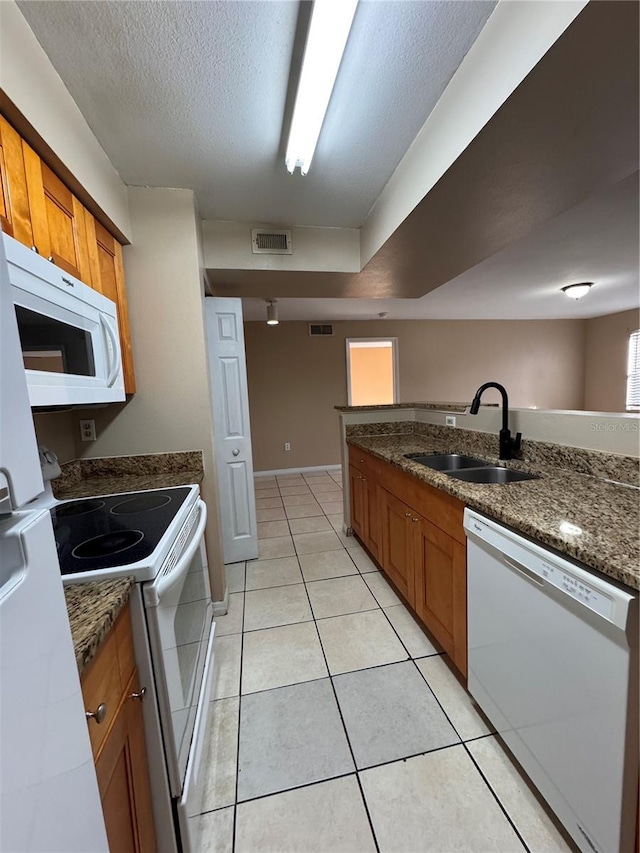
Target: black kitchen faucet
[(507, 444)]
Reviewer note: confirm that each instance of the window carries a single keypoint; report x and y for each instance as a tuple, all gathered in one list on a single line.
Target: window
[(633, 371), (372, 371)]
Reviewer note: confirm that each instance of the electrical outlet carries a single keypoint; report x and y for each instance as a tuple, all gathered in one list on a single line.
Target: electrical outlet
[(287, 445), (88, 430), (450, 420)]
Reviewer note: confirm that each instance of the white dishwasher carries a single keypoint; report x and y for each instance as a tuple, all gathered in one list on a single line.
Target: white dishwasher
[(553, 663)]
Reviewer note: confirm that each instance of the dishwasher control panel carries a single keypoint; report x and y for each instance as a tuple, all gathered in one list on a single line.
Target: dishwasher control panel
[(577, 588)]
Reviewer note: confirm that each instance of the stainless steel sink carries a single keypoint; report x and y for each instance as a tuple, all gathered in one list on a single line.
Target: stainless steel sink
[(446, 461), (491, 474)]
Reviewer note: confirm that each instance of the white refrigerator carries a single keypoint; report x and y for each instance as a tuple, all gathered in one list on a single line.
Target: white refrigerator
[(49, 799)]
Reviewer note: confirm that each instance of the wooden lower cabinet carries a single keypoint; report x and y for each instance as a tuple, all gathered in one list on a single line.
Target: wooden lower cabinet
[(398, 532), (441, 589), (118, 741), (357, 490), (123, 779), (420, 545), (365, 515)]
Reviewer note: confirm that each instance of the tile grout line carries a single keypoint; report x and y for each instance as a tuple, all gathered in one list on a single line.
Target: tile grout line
[(335, 696), (496, 798), (235, 798), (344, 727), (410, 658)]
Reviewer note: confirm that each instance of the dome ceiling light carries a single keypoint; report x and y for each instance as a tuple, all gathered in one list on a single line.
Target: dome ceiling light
[(577, 291)]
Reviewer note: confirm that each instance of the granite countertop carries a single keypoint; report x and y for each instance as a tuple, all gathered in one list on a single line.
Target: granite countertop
[(109, 485), (93, 608), (607, 514), (109, 475)]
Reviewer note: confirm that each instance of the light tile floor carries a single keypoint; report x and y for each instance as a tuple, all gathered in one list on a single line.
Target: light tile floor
[(337, 724)]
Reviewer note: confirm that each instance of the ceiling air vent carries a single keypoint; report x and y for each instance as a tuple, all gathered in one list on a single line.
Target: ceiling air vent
[(265, 242), (320, 329)]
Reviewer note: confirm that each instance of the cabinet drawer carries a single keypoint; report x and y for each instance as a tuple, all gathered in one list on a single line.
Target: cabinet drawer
[(365, 462)]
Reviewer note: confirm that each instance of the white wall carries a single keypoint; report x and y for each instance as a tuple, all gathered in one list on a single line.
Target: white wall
[(31, 82), (227, 245)]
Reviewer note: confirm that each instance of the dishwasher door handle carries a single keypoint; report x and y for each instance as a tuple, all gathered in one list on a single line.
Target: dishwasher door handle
[(523, 570)]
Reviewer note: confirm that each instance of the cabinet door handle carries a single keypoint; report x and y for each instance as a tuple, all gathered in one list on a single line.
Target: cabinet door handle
[(98, 715), (415, 519), (407, 515), (140, 695)]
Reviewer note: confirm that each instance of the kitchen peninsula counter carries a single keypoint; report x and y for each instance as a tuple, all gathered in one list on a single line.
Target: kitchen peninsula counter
[(550, 510)]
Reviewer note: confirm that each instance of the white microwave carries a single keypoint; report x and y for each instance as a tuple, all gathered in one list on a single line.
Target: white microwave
[(68, 333)]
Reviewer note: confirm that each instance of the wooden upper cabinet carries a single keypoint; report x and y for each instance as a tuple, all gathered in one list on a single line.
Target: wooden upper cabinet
[(57, 218), (15, 216), (107, 277), (38, 210)]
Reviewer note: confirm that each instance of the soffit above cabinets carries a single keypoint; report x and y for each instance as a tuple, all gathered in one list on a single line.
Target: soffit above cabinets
[(197, 95)]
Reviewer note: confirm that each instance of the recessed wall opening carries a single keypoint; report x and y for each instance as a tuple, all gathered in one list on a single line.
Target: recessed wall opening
[(372, 371)]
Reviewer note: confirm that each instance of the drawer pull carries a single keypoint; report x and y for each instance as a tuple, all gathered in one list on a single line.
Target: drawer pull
[(98, 715), (140, 695)]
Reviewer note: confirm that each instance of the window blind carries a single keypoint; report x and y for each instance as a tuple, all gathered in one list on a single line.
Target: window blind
[(633, 371)]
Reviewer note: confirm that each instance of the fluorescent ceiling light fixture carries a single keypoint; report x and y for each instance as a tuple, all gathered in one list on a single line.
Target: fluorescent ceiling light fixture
[(577, 291), (272, 312), (328, 33)]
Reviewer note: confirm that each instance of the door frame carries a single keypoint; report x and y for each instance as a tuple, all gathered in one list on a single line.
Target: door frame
[(394, 353)]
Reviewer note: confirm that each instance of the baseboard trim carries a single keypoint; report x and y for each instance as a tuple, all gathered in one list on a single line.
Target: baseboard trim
[(310, 470), (221, 607)]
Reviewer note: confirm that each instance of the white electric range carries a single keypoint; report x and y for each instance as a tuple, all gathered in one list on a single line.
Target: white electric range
[(156, 537)]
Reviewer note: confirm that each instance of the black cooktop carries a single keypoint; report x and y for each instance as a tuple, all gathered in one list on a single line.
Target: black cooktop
[(116, 530)]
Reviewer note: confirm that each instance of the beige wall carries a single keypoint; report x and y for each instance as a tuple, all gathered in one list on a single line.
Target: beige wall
[(57, 431), (295, 381), (606, 348), (171, 409), (31, 82)]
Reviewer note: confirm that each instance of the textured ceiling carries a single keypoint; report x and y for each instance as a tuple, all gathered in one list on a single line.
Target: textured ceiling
[(194, 94)]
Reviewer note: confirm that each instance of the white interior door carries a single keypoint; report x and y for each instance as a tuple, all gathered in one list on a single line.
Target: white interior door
[(228, 376)]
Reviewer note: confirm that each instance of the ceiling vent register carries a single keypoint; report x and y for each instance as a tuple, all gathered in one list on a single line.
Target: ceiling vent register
[(316, 329), (270, 242)]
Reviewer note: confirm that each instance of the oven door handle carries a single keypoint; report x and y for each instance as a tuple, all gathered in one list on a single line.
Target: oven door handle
[(154, 591)]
